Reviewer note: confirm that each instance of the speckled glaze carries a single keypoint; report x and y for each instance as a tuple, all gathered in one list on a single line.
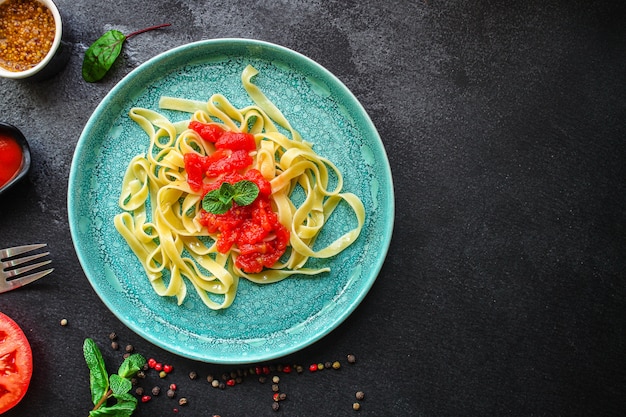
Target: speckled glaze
[(265, 321)]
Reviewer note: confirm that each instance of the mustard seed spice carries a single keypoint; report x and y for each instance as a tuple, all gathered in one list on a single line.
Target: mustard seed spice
[(27, 32)]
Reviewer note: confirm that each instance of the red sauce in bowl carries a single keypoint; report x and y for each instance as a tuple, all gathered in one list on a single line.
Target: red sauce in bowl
[(10, 158)]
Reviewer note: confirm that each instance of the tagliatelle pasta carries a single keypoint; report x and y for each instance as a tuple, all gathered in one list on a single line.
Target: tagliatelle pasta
[(161, 213)]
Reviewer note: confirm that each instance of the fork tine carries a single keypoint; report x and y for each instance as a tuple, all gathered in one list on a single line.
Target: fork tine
[(21, 281), (17, 250), (18, 271), (19, 261)]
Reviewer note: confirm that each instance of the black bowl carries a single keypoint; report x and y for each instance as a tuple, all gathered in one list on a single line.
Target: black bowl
[(15, 133)]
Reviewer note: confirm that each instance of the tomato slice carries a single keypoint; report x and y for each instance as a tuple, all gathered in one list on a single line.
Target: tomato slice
[(16, 363)]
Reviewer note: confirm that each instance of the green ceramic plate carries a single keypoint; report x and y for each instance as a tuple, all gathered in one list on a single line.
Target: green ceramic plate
[(265, 321)]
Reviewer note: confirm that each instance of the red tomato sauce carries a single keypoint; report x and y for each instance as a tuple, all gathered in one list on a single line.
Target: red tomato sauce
[(254, 230), (10, 158)]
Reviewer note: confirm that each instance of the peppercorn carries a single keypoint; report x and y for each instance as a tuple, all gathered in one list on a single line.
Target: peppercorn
[(162, 374), (139, 391), (113, 336), (193, 375), (276, 379), (167, 368), (313, 367), (222, 385), (215, 383), (336, 365), (182, 401), (141, 374), (156, 391), (275, 387), (129, 348), (209, 378), (282, 396), (275, 406), (262, 379), (299, 369), (320, 366), (327, 365), (145, 398), (173, 387), (115, 345), (356, 406), (231, 382), (360, 395), (351, 359), (63, 322), (171, 393)]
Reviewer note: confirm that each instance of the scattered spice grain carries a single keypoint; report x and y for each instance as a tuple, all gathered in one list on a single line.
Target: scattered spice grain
[(360, 395), (275, 406), (351, 359), (356, 406), (63, 322)]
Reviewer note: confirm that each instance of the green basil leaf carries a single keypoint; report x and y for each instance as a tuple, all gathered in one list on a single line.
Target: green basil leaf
[(131, 365), (245, 192), (101, 55), (98, 377)]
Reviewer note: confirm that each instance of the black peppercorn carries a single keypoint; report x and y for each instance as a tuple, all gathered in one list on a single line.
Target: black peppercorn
[(156, 391), (171, 393), (193, 375), (351, 359), (275, 406)]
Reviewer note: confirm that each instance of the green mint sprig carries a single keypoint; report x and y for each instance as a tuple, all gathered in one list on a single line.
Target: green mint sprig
[(219, 201), (101, 55), (116, 386)]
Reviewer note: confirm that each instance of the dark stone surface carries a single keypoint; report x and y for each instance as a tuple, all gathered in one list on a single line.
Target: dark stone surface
[(504, 290)]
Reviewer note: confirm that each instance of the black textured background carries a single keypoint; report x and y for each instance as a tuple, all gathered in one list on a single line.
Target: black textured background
[(504, 290)]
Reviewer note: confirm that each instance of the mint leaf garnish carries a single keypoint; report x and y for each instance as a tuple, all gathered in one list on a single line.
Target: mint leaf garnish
[(219, 201), (117, 386), (245, 192)]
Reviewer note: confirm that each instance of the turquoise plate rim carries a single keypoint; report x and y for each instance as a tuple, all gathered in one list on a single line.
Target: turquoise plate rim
[(289, 343)]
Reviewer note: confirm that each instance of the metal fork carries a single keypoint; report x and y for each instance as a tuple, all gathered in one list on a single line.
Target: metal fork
[(12, 277)]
